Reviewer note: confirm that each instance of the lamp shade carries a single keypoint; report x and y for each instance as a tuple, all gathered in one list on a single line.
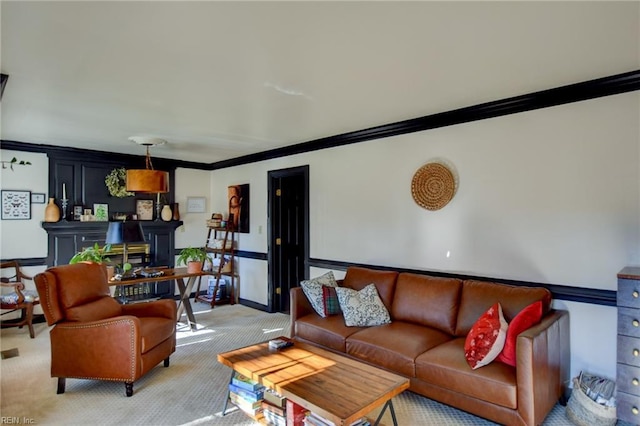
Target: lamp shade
[(147, 180), (124, 232)]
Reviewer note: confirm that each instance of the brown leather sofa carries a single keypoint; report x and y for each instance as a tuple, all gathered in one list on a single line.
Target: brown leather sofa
[(431, 317), (94, 336)]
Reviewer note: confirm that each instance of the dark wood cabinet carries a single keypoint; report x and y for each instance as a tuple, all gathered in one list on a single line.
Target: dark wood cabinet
[(65, 238)]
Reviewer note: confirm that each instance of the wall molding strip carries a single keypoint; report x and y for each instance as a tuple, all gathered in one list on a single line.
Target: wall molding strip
[(577, 92), (600, 87), (560, 292)]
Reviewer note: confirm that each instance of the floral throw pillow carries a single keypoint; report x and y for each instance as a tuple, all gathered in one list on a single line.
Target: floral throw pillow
[(362, 308), (313, 290), (486, 338)]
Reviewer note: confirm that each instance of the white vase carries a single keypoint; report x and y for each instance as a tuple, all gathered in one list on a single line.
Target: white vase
[(166, 214)]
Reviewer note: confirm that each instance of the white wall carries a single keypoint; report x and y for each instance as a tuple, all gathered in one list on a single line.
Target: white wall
[(550, 196), (25, 238)]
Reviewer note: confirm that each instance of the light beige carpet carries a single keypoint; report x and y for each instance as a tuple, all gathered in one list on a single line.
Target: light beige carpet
[(190, 392)]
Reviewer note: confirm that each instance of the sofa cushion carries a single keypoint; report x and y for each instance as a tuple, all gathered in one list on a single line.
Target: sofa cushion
[(445, 366), (330, 332), (358, 278), (394, 346), (441, 295), (362, 308), (478, 296), (525, 319), (486, 338), (330, 301), (313, 290)]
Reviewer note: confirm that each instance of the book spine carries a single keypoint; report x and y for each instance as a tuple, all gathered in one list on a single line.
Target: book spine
[(273, 409), (295, 414), (252, 396), (246, 383), (244, 404)]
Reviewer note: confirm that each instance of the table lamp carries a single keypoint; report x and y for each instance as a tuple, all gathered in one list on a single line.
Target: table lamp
[(124, 233)]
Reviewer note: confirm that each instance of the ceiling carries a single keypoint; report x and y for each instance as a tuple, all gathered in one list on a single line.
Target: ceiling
[(220, 80)]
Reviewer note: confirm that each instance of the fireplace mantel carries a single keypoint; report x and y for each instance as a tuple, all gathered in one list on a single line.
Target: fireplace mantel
[(66, 238)]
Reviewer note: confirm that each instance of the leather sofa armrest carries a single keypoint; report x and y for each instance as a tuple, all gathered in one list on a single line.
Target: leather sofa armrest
[(299, 306), (542, 366), (78, 347), (164, 308)]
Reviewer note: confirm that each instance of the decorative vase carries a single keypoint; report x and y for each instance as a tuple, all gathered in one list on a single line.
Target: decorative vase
[(51, 212), (176, 211), (166, 214)]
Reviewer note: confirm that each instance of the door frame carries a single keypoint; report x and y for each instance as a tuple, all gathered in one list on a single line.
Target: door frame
[(273, 176)]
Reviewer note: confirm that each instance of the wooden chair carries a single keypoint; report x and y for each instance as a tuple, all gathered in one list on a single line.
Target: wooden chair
[(19, 299)]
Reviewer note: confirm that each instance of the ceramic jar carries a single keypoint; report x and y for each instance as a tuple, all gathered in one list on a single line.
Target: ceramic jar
[(166, 214), (51, 212)]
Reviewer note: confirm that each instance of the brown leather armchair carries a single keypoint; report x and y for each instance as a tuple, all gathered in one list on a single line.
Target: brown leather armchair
[(94, 336)]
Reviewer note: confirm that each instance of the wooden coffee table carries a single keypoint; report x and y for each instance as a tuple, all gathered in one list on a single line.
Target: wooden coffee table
[(333, 386)]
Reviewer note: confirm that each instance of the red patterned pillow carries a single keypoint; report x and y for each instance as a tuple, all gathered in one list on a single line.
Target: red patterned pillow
[(486, 338), (330, 301), (526, 318)]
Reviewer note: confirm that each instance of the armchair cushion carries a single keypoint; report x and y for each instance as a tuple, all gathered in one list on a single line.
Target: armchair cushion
[(155, 331), (12, 298), (105, 307)]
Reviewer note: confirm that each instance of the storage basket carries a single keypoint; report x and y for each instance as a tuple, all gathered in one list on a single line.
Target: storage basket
[(583, 411)]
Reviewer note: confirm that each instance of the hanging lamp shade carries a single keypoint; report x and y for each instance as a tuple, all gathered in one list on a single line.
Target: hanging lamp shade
[(147, 180), (144, 180)]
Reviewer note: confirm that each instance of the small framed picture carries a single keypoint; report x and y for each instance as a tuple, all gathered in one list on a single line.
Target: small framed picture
[(77, 212), (37, 198), (16, 205), (101, 212), (196, 204), (144, 209)]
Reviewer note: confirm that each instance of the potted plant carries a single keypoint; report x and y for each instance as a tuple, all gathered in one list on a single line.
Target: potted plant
[(95, 254), (92, 254), (193, 257)]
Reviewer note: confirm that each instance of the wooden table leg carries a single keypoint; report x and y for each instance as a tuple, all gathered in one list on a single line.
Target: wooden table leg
[(184, 304)]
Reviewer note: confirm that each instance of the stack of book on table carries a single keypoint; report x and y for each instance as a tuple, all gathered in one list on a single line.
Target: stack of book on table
[(313, 419), (274, 408), (246, 394)]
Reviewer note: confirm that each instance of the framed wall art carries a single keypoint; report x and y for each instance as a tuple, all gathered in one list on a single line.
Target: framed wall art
[(37, 198), (144, 209), (238, 197), (196, 204), (101, 212), (77, 212), (16, 205)]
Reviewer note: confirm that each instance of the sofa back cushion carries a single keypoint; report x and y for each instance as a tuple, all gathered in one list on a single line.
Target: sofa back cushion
[(478, 296), (358, 278), (425, 300)]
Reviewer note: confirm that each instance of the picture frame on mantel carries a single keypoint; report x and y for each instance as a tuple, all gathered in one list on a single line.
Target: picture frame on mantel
[(144, 209)]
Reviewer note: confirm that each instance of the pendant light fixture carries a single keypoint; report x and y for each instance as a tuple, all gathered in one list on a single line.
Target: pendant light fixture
[(147, 180)]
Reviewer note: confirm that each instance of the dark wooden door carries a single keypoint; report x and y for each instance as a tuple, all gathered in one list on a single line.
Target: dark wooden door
[(288, 234)]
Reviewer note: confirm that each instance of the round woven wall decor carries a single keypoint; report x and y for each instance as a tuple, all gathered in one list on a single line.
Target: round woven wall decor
[(433, 186)]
